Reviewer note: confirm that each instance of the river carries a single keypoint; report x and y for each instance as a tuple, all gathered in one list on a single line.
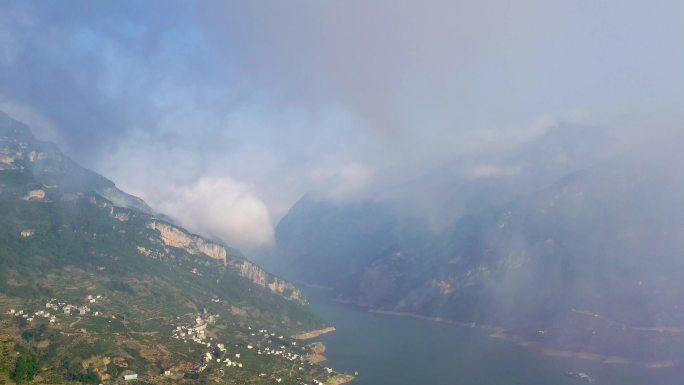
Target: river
[(394, 350)]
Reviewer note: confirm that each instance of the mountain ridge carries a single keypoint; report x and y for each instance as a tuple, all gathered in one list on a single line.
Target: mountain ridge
[(540, 265), (93, 288)]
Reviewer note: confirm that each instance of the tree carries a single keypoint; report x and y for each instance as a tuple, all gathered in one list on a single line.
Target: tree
[(6, 358), (26, 368)]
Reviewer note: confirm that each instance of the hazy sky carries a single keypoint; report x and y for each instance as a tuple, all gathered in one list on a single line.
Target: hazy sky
[(222, 114)]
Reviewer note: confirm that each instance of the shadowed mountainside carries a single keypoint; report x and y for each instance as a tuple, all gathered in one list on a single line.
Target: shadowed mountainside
[(589, 260)]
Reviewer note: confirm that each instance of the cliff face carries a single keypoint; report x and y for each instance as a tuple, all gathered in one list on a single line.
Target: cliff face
[(193, 244), (276, 285)]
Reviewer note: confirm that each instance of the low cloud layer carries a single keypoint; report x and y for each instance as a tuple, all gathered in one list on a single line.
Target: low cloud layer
[(219, 207), (283, 98)]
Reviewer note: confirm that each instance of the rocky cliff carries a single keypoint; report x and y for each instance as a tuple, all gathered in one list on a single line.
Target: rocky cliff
[(193, 244), (276, 285)]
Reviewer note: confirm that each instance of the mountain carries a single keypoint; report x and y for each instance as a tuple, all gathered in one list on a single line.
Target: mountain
[(95, 286), (588, 260)]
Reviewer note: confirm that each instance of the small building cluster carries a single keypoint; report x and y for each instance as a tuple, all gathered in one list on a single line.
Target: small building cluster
[(69, 309), (196, 332), (46, 314), (191, 333), (20, 314), (30, 317)]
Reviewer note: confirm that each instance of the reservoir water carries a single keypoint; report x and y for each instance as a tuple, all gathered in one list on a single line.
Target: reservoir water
[(393, 350)]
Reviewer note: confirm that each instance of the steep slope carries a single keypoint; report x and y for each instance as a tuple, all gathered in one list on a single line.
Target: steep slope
[(334, 244), (314, 226), (21, 153), (94, 287), (589, 263)]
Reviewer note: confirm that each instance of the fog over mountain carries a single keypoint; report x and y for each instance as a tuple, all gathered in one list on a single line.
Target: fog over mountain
[(440, 191), (246, 106)]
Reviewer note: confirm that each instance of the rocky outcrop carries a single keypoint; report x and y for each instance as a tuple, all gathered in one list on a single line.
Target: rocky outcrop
[(8, 158), (36, 195), (213, 250), (276, 285), (193, 244)]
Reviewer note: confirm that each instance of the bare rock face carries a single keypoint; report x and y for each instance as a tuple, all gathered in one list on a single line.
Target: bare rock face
[(175, 237), (276, 285), (212, 249), (8, 158), (193, 244), (36, 195)]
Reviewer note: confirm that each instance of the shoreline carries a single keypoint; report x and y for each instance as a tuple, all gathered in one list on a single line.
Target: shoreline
[(311, 334), (318, 357), (501, 333), (597, 357), (341, 378), (504, 334)]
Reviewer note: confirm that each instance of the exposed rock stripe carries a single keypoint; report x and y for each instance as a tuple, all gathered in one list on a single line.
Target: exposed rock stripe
[(175, 237)]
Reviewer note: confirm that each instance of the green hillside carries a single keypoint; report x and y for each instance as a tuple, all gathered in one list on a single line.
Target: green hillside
[(93, 287)]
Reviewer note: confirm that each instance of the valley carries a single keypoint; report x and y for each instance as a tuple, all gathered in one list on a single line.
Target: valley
[(559, 267), (310, 192)]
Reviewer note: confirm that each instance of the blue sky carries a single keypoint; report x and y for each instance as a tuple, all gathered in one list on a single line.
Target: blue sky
[(223, 114)]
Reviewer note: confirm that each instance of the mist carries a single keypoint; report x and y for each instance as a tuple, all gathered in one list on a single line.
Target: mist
[(345, 101), (472, 191)]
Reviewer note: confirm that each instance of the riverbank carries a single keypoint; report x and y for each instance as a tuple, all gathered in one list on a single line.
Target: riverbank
[(413, 349), (316, 356), (314, 333), (501, 333), (561, 353), (339, 379)]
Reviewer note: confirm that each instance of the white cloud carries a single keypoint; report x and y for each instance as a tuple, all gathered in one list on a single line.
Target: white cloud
[(219, 207)]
